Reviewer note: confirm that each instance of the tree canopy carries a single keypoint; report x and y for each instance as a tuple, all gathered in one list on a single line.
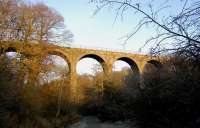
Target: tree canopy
[(25, 21)]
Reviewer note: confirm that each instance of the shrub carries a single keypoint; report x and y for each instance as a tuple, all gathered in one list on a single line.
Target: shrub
[(172, 102)]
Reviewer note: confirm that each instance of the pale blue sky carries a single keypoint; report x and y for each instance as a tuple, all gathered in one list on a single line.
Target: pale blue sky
[(98, 30)]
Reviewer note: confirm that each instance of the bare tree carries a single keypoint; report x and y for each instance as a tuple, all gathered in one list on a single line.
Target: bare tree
[(48, 21), (25, 21), (180, 30), (8, 11)]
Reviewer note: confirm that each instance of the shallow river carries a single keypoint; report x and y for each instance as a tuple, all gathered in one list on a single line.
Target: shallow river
[(94, 122)]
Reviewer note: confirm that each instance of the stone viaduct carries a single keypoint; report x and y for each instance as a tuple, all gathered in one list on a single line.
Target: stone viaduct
[(137, 62)]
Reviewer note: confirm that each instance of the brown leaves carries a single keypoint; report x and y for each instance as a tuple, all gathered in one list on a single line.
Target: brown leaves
[(30, 22)]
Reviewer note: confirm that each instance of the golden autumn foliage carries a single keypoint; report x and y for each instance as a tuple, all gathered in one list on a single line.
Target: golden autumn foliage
[(27, 102), (27, 21)]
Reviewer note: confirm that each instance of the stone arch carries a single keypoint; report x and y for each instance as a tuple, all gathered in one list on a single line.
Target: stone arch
[(156, 63), (62, 55), (132, 64), (97, 58), (5, 50), (57, 58), (151, 71), (152, 65), (132, 78), (134, 68), (10, 49), (93, 56)]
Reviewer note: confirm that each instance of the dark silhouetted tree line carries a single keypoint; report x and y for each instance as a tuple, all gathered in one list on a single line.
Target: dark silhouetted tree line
[(169, 97)]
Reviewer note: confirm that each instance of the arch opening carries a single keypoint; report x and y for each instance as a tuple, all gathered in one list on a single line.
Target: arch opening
[(132, 64), (120, 65), (152, 66), (11, 49), (55, 68), (11, 53), (60, 55), (90, 77), (126, 72), (90, 64), (156, 63), (11, 61)]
